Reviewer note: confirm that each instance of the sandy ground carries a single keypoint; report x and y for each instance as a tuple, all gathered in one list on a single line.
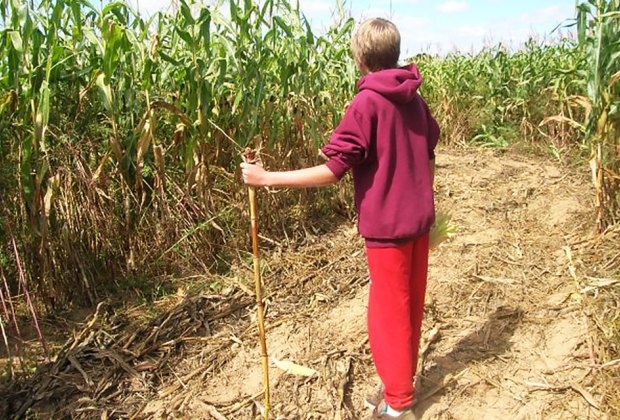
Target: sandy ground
[(505, 335)]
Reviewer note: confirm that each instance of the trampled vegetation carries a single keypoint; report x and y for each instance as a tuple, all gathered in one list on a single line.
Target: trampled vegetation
[(121, 135)]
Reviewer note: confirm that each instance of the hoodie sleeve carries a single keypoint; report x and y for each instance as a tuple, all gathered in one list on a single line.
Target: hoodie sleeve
[(349, 143), (433, 132)]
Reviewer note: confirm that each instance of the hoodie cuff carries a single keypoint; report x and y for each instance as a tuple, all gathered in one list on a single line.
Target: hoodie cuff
[(337, 168)]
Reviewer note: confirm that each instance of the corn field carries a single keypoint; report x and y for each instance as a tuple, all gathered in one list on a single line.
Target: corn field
[(599, 31), (564, 96), (496, 98), (121, 134)]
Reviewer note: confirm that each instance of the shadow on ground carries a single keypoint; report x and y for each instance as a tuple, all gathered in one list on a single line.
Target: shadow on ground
[(492, 339)]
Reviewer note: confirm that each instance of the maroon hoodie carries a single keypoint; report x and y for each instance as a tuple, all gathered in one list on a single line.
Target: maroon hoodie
[(387, 137)]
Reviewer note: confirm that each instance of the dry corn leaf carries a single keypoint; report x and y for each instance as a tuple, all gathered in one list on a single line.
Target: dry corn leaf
[(293, 368)]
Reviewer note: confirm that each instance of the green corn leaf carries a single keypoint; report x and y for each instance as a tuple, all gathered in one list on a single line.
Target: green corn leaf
[(205, 28), (185, 36), (610, 15), (309, 33), (186, 12), (238, 98), (106, 92), (87, 4), (25, 168), (42, 117), (168, 58), (113, 8), (55, 20), (76, 10), (94, 39), (234, 14), (113, 50), (16, 40), (280, 22)]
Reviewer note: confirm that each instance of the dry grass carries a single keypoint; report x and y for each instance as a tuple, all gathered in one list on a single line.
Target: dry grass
[(598, 272), (117, 362)]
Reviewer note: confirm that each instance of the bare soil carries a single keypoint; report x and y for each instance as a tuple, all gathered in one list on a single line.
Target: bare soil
[(505, 333)]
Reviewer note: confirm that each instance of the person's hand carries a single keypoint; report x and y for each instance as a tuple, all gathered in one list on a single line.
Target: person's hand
[(254, 174)]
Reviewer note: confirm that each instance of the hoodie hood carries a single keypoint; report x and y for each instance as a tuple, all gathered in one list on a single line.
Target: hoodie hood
[(398, 85)]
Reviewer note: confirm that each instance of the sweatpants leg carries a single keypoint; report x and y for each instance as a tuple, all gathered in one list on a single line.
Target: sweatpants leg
[(395, 307), (419, 275)]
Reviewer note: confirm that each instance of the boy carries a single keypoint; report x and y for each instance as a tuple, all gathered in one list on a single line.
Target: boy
[(387, 138)]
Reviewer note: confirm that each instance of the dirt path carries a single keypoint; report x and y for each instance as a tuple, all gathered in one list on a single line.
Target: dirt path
[(509, 335), (512, 339)]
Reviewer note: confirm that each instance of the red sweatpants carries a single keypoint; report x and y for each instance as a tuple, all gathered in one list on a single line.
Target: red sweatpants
[(395, 307)]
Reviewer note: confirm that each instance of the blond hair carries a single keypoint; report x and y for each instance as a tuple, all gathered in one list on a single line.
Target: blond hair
[(376, 44)]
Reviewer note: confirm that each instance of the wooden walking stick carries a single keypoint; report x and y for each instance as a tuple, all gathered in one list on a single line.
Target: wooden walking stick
[(250, 157)]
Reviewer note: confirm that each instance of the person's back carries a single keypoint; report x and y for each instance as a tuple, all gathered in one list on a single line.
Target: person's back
[(387, 138)]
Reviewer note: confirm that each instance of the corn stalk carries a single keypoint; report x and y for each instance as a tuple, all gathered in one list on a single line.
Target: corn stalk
[(599, 28), (117, 129)]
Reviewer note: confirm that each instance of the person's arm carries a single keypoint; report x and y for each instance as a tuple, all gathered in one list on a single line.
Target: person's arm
[(316, 176)]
